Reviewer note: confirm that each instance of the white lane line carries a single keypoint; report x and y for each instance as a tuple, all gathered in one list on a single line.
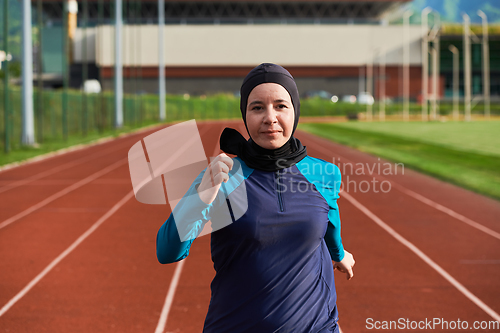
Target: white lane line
[(447, 211), (80, 239), (8, 184), (61, 193), (79, 147), (162, 322), (57, 260), (14, 184), (424, 257), (69, 181), (17, 183), (423, 199)]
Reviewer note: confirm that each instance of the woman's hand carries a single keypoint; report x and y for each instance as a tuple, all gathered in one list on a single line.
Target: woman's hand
[(216, 173), (346, 265)]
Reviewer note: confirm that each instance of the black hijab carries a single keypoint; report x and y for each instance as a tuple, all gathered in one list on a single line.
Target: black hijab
[(256, 157)]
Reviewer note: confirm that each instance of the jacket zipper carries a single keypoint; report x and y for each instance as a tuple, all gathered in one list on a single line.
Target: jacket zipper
[(280, 199)]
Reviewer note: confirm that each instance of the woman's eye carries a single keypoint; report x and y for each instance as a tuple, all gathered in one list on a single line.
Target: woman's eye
[(282, 106), (256, 108)]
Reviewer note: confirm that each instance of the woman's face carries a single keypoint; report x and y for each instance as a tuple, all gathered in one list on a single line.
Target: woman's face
[(270, 115)]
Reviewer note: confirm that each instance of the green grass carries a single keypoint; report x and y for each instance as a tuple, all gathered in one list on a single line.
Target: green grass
[(84, 125), (96, 120), (22, 153), (475, 171), (478, 137)]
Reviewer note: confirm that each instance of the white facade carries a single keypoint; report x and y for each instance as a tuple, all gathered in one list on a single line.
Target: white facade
[(247, 45)]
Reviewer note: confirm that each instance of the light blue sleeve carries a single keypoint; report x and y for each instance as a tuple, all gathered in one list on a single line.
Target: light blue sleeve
[(327, 182), (190, 215), (333, 238), (169, 247)]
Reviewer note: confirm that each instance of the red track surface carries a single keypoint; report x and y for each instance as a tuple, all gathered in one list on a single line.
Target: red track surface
[(112, 282)]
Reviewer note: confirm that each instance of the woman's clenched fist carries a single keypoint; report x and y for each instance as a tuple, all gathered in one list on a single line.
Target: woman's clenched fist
[(216, 173)]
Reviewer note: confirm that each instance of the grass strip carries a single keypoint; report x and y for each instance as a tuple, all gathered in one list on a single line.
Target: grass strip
[(23, 153), (475, 136), (473, 171)]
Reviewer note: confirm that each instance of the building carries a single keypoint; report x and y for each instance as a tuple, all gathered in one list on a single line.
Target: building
[(210, 46)]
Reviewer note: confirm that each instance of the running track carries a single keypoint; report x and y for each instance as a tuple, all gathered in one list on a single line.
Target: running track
[(78, 251)]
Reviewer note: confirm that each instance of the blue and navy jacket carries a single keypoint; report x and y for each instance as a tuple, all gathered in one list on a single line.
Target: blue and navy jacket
[(272, 252)]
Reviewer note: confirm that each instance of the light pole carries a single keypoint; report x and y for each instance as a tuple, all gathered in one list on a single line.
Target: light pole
[(427, 37), (486, 65), (161, 59), (28, 124), (381, 113), (435, 64), (118, 66), (6, 112), (39, 68), (361, 79), (406, 65), (425, 62), (467, 68), (84, 66), (455, 52), (369, 85)]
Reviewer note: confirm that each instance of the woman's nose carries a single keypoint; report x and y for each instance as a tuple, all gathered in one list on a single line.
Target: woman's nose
[(270, 115)]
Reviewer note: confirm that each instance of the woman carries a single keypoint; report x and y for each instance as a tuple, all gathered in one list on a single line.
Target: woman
[(273, 264)]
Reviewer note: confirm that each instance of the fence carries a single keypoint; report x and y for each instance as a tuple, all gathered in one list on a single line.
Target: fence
[(93, 114)]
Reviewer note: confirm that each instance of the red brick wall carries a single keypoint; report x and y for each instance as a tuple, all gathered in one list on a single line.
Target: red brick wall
[(394, 82), (394, 75)]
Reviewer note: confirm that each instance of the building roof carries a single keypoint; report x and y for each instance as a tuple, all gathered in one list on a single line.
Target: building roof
[(240, 11), (243, 1)]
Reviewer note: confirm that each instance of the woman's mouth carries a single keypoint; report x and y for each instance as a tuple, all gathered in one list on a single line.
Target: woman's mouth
[(271, 133)]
